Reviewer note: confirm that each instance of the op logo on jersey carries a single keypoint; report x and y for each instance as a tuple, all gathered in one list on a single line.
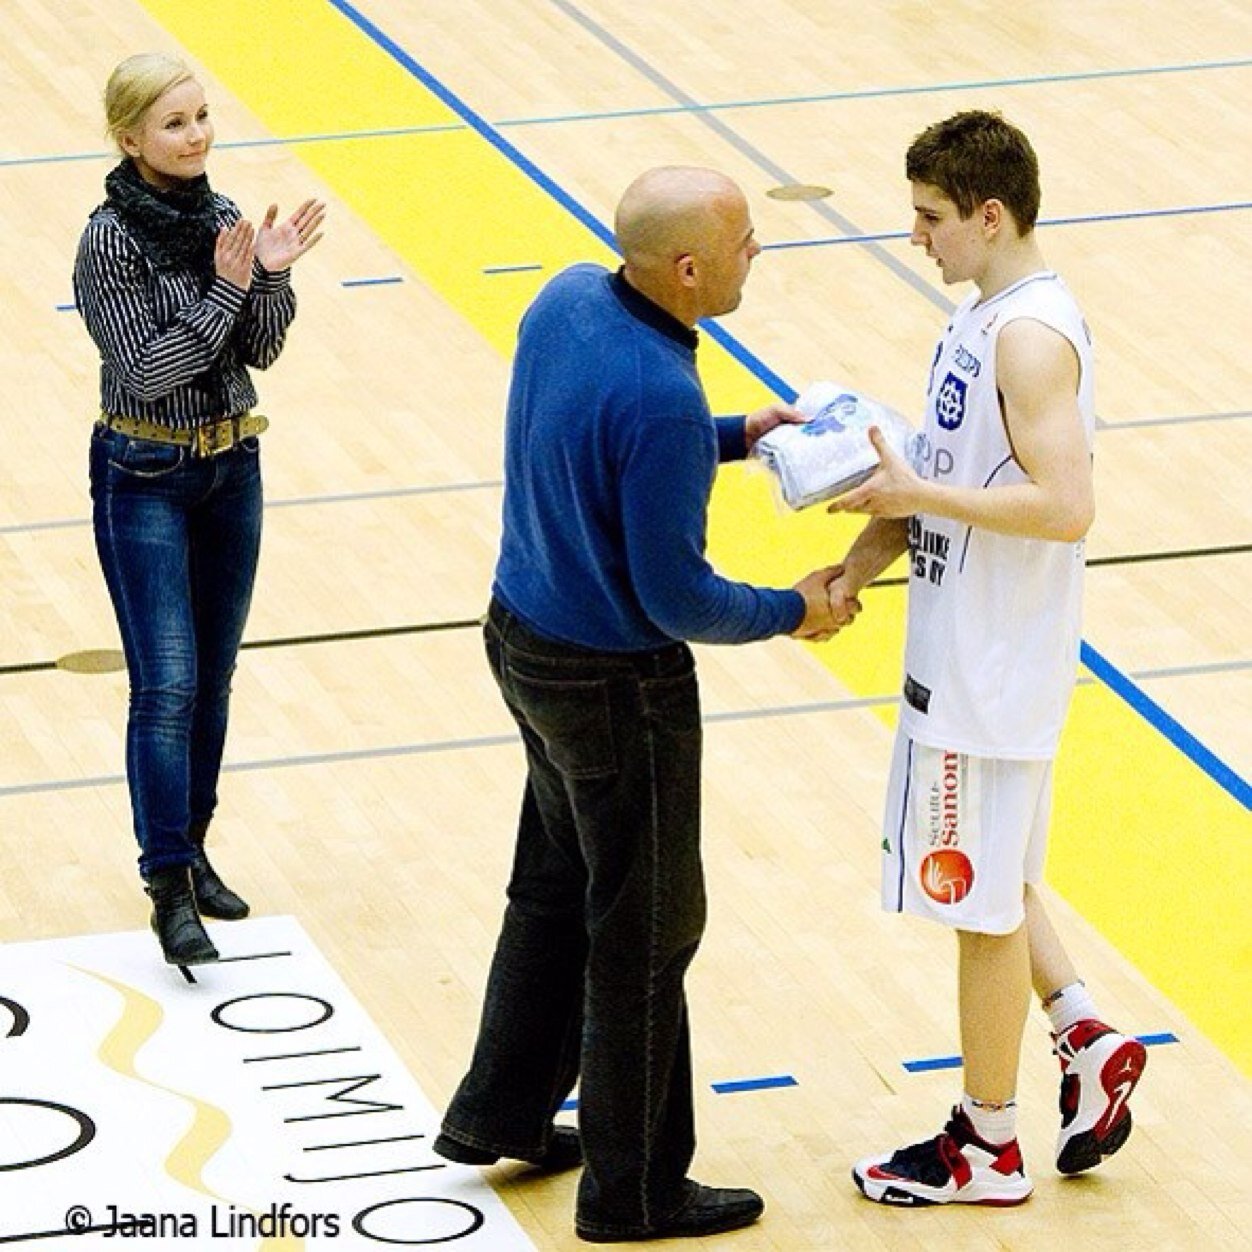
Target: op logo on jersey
[(950, 402)]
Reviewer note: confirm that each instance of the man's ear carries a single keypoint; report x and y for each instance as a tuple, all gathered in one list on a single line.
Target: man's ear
[(685, 268), (992, 216)]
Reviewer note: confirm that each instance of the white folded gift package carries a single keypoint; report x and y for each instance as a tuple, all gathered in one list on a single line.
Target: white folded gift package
[(831, 452)]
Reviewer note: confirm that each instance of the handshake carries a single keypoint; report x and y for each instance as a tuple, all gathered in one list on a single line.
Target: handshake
[(830, 604)]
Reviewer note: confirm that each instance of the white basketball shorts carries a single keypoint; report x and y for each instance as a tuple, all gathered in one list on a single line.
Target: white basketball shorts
[(962, 835)]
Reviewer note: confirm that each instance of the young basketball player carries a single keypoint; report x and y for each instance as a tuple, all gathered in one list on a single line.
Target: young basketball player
[(994, 527)]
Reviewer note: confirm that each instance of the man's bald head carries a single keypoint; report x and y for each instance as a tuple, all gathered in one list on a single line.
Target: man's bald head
[(679, 228), (670, 210)]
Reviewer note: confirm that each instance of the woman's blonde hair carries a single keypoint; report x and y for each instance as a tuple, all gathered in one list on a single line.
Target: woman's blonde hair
[(134, 87)]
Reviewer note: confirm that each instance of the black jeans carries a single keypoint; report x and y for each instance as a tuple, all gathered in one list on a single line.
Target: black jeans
[(605, 911)]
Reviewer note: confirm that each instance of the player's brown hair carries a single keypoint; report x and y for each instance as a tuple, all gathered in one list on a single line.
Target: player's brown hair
[(976, 156)]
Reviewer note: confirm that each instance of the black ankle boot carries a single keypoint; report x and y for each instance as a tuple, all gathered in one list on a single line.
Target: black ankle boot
[(184, 941), (213, 897)]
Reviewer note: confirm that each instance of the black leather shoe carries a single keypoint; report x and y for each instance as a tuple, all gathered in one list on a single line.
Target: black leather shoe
[(184, 941), (213, 897), (708, 1211), (564, 1151)]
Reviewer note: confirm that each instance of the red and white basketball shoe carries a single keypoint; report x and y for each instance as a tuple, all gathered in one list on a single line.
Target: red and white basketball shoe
[(1099, 1070), (956, 1167)]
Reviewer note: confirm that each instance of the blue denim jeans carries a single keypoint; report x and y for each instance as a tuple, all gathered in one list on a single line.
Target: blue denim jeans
[(178, 539), (606, 909)]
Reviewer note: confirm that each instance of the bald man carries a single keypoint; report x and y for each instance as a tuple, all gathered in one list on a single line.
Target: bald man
[(602, 580)]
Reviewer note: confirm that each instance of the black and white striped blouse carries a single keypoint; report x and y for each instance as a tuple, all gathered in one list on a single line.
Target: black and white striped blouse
[(171, 352)]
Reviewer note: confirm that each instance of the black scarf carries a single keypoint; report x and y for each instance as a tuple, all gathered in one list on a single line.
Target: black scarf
[(176, 229)]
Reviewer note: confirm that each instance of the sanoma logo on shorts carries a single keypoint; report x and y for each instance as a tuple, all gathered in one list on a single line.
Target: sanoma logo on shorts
[(947, 875), (944, 810)]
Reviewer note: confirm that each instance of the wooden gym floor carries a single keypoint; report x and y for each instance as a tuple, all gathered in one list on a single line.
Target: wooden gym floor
[(469, 149)]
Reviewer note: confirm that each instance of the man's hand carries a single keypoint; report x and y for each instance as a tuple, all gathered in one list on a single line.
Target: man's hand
[(842, 594), (764, 420), (829, 604)]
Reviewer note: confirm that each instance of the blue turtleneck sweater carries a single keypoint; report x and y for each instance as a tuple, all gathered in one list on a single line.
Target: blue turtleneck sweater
[(610, 455)]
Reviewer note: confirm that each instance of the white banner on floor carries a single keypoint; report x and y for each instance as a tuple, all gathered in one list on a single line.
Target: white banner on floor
[(256, 1107)]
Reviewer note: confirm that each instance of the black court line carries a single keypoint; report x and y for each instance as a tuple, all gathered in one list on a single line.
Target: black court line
[(250, 956), (65, 1232), (1130, 558), (468, 623), (377, 632), (292, 641)]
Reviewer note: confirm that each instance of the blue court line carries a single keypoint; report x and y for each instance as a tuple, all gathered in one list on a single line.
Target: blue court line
[(825, 97), (263, 141), (1080, 219), (724, 1088), (372, 282), (928, 1063), (1171, 728), (877, 93), (754, 1084), (1127, 214), (67, 308)]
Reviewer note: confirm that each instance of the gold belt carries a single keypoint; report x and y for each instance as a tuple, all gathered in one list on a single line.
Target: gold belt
[(206, 440)]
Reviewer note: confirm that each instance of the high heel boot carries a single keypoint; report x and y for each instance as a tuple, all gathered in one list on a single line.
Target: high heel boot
[(213, 897), (184, 941)]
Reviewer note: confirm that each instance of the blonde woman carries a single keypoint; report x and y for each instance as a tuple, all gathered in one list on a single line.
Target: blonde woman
[(181, 295)]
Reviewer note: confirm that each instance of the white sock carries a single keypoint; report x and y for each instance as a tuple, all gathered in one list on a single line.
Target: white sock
[(994, 1123), (1069, 1005)]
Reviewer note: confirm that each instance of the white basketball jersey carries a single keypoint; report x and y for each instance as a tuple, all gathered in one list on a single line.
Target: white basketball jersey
[(994, 620)]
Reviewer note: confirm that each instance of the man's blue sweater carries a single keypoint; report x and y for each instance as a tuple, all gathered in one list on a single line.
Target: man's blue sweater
[(610, 454)]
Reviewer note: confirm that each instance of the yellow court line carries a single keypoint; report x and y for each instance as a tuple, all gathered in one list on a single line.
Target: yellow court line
[(1149, 848)]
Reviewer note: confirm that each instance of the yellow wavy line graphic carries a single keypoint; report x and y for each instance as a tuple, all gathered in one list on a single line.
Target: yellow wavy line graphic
[(210, 1127)]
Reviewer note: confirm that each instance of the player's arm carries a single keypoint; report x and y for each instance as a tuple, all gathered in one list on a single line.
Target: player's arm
[(882, 540), (1037, 371)]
